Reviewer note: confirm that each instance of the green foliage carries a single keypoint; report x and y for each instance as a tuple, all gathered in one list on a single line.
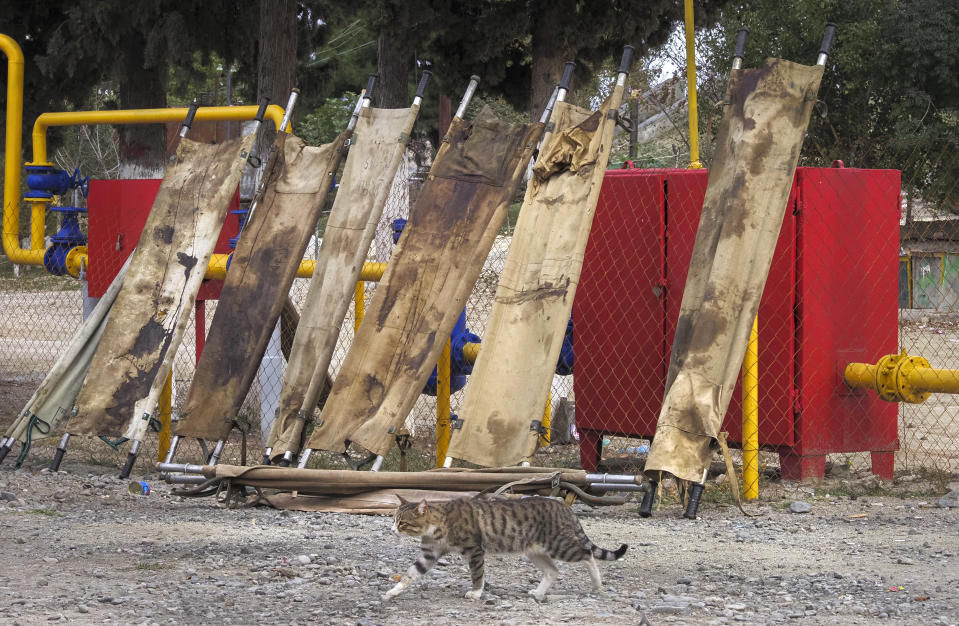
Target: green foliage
[(890, 92), (328, 120)]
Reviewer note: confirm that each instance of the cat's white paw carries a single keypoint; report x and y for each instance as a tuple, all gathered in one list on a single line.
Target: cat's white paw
[(389, 595), (539, 597), (474, 594)]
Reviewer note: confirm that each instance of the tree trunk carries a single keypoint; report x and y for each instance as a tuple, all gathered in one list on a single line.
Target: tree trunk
[(393, 66), (549, 59), (275, 61), (141, 147)]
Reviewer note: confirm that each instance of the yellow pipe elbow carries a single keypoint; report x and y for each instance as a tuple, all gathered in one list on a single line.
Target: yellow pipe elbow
[(12, 157)]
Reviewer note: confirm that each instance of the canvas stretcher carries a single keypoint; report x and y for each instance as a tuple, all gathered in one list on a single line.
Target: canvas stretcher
[(757, 149), (375, 155), (510, 384), (426, 284), (258, 282), (151, 311)]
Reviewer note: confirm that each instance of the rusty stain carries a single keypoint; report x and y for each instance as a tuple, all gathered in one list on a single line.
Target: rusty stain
[(762, 146), (499, 429), (147, 340), (591, 123), (163, 235), (375, 391), (187, 261)]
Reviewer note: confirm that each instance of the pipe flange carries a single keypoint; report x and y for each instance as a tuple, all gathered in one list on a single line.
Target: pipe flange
[(905, 367), (76, 258), (886, 369)]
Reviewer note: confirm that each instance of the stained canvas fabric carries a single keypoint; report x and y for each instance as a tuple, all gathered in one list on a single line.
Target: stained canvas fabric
[(757, 149), (514, 370), (426, 284), (258, 281), (54, 398), (336, 482), (375, 154), (150, 314)]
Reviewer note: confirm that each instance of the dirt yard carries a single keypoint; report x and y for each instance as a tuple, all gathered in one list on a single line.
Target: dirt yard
[(79, 548)]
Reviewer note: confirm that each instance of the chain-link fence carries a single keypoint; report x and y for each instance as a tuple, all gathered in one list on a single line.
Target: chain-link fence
[(864, 268)]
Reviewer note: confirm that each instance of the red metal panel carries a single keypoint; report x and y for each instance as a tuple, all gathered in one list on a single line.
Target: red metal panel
[(118, 209), (848, 263), (834, 272), (618, 310)]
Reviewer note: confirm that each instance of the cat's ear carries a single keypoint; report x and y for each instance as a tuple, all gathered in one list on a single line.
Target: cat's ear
[(402, 500), (421, 507)]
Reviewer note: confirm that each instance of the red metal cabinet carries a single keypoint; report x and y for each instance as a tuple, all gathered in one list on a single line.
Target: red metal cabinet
[(118, 209), (831, 297)]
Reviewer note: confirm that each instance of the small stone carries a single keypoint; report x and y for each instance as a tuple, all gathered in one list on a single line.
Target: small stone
[(949, 501), (50, 559), (668, 609), (304, 559), (9, 497), (800, 506), (83, 608), (905, 561)]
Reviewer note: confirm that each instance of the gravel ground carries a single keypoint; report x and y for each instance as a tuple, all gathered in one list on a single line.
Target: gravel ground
[(79, 548)]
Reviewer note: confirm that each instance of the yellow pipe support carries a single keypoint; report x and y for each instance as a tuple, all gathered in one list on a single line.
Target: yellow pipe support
[(359, 304), (164, 409), (694, 162), (547, 419), (443, 405), (750, 377), (902, 378)]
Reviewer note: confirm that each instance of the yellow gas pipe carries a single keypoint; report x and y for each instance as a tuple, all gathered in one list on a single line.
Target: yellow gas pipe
[(902, 378), (11, 176), (217, 265), (13, 148), (750, 377), (443, 404), (694, 162)]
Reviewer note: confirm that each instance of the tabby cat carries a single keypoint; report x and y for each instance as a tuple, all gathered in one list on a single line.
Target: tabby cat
[(540, 528)]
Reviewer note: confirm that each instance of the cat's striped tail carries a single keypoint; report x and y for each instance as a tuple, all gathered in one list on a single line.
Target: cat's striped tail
[(608, 555)]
